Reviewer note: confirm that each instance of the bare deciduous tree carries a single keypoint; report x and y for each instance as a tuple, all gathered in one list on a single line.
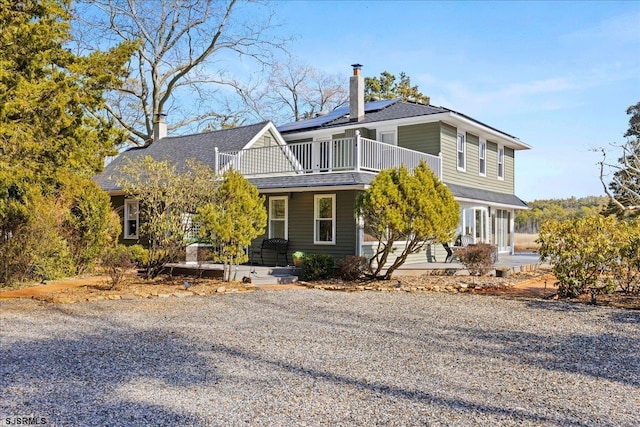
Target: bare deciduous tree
[(624, 188), (295, 91), (185, 58)]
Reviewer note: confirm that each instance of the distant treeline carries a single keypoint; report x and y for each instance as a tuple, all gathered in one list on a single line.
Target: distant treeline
[(559, 209)]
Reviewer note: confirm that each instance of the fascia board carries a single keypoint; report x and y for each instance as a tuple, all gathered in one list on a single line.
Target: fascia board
[(486, 132), (326, 188), (493, 204)]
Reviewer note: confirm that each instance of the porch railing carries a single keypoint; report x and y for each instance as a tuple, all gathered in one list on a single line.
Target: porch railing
[(335, 155)]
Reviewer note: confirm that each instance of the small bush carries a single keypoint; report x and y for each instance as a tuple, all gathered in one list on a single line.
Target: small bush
[(353, 267), (138, 255), (317, 266), (478, 259), (117, 260)]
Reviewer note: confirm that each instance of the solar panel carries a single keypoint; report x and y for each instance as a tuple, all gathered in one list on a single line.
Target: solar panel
[(333, 115)]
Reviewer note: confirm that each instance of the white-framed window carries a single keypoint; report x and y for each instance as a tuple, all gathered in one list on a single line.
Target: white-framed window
[(131, 219), (388, 137), (278, 217), (462, 152), (500, 162), (475, 224), (324, 208), (482, 155), (267, 141)]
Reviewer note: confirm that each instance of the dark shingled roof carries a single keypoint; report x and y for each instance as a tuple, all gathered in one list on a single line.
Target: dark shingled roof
[(377, 111), (462, 192), (179, 149), (374, 112), (314, 180)]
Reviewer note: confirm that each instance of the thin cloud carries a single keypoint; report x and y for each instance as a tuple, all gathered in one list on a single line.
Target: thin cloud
[(616, 29)]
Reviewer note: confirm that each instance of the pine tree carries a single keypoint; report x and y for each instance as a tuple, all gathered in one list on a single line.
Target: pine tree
[(236, 217), (416, 209), (50, 130), (386, 87)]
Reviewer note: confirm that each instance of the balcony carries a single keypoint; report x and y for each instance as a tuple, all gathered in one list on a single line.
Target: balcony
[(355, 154)]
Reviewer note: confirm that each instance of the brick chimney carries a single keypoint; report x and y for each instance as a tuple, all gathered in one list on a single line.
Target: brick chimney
[(159, 127), (356, 95)]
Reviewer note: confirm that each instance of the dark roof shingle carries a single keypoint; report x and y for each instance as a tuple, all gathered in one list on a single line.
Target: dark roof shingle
[(179, 149)]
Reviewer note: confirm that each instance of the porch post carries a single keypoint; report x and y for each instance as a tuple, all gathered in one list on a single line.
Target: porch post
[(357, 153), (216, 160)]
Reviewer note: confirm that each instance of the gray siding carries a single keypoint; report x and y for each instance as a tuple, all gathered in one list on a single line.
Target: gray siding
[(422, 137), (364, 132), (301, 223), (471, 177)]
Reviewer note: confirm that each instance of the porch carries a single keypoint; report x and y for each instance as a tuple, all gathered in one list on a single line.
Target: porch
[(356, 154), (265, 275)]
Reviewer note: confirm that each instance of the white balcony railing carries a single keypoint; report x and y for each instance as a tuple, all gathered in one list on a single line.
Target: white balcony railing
[(336, 155)]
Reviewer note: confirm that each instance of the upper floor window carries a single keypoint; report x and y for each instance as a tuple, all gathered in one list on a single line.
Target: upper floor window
[(388, 137), (324, 208), (500, 162), (131, 219), (267, 141), (462, 152), (278, 217), (482, 167)]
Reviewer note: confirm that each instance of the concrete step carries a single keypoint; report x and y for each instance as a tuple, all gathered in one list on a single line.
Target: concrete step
[(263, 279)]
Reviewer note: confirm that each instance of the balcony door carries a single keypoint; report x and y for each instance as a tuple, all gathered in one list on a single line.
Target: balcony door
[(322, 155)]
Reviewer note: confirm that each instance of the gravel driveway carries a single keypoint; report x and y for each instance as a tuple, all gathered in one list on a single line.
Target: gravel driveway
[(309, 357)]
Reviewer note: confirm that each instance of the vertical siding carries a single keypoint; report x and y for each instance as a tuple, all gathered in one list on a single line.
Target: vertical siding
[(421, 137), (301, 225)]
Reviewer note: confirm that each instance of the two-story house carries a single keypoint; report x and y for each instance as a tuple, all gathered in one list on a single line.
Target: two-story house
[(311, 171)]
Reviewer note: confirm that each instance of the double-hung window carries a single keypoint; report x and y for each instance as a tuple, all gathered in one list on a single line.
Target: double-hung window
[(500, 162), (324, 208), (483, 158), (462, 152), (131, 219), (278, 217)]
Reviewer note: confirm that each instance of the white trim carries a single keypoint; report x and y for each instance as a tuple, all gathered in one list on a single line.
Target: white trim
[(315, 188), (316, 198), (499, 163), (286, 215), (274, 133), (492, 204), (388, 130), (126, 218), (461, 135), (482, 156)]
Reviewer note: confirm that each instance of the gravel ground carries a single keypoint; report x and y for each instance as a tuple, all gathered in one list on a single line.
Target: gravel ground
[(311, 358)]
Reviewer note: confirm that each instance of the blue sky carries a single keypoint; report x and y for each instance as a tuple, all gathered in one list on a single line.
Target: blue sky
[(557, 75)]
